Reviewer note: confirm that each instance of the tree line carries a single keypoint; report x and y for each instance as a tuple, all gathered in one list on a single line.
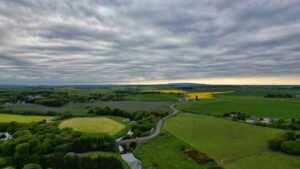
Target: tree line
[(144, 120)]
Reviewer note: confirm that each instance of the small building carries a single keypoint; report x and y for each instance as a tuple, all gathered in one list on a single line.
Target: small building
[(233, 116), (252, 119), (267, 120)]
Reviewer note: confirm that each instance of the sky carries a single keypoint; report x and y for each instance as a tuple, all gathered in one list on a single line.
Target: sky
[(149, 41)]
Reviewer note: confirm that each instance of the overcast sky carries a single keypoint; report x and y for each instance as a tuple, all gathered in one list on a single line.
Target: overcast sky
[(139, 41)]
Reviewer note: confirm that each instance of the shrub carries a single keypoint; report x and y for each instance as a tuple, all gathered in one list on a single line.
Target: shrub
[(275, 144), (288, 147), (3, 162)]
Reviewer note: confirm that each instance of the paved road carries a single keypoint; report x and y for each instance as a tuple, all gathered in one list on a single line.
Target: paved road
[(154, 133)]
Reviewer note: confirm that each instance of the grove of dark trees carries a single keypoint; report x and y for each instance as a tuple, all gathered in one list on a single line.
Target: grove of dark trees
[(52, 147)]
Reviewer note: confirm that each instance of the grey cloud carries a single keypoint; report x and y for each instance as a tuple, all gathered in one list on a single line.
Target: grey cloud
[(90, 41)]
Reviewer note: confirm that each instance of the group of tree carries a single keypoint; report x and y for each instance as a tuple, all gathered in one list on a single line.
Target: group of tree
[(288, 142), (28, 112), (48, 146), (279, 96), (144, 120), (236, 115), (291, 124)]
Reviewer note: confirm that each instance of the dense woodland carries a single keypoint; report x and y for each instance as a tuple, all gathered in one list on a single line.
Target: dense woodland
[(51, 147)]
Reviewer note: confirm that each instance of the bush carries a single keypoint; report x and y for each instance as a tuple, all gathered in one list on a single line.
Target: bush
[(288, 147), (32, 166), (3, 162), (275, 144)]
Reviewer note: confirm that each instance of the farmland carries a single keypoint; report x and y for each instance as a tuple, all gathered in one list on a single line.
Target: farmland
[(165, 152), (81, 108), (232, 144), (152, 97), (203, 95), (251, 105), (173, 91), (97, 125), (5, 118)]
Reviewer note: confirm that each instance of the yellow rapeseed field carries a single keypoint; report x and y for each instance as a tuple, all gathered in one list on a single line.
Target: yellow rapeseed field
[(203, 95), (174, 91)]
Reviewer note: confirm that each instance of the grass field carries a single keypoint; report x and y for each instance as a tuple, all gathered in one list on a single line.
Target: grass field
[(97, 125), (203, 95), (234, 145), (81, 108), (251, 105), (152, 97), (165, 152), (5, 118), (174, 91)]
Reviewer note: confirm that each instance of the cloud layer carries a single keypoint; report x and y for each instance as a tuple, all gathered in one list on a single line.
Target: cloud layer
[(108, 41)]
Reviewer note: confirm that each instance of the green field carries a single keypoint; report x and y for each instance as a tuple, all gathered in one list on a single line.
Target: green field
[(165, 152), (152, 97), (81, 108), (251, 105), (234, 145), (5, 118), (97, 125)]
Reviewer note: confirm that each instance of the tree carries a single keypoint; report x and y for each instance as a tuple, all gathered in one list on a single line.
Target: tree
[(22, 149), (32, 166), (288, 147)]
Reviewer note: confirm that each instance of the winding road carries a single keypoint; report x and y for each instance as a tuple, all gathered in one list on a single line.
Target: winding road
[(155, 133)]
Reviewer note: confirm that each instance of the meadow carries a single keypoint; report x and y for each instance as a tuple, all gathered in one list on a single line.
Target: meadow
[(165, 152), (5, 118), (95, 125), (234, 145), (251, 105)]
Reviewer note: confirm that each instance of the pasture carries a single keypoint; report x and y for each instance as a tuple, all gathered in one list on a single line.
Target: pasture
[(6, 118), (251, 105), (97, 125), (234, 145), (165, 152)]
